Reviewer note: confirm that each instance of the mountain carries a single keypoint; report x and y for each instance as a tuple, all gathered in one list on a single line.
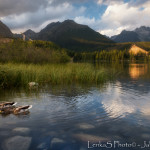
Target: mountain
[(30, 34), (5, 31), (126, 36), (141, 34), (73, 36)]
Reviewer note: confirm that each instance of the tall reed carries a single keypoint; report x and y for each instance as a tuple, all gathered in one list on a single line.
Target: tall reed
[(16, 75)]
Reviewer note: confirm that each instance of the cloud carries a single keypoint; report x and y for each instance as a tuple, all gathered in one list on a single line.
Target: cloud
[(8, 7), (24, 14), (110, 32), (138, 3), (109, 2), (38, 18), (17, 7), (117, 105), (124, 16), (114, 17), (57, 2), (119, 16), (92, 22)]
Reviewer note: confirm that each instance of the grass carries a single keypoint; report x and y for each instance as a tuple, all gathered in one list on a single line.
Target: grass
[(19, 75)]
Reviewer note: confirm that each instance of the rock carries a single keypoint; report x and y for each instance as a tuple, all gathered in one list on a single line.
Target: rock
[(4, 133), (22, 130), (51, 133), (69, 147), (42, 146), (146, 136), (85, 126), (33, 84), (82, 148), (17, 143), (57, 140), (88, 137), (57, 143)]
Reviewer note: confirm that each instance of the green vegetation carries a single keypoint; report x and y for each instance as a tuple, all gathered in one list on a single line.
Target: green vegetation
[(116, 55), (40, 61), (110, 56), (126, 46), (19, 51), (113, 52), (17, 75)]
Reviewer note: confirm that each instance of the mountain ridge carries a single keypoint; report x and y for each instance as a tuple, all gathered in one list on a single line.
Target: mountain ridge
[(141, 34), (5, 32), (71, 35)]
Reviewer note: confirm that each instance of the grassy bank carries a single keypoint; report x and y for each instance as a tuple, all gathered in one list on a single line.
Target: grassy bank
[(17, 75)]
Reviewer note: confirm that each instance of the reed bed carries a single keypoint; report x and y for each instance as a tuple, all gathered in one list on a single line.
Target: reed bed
[(17, 75)]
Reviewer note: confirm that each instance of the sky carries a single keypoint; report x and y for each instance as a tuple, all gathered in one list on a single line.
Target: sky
[(109, 17)]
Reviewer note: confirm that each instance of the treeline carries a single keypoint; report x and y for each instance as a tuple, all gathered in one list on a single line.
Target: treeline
[(113, 55), (19, 51)]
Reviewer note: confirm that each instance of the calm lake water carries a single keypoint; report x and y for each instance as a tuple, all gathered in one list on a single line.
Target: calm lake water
[(77, 117)]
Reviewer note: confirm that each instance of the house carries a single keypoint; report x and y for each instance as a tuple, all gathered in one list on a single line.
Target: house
[(135, 50)]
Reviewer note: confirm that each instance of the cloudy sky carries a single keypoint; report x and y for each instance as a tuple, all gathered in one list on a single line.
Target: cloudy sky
[(108, 17)]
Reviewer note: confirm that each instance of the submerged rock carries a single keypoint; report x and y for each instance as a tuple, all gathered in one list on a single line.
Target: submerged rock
[(82, 148), (17, 143), (42, 146), (57, 140), (57, 143), (85, 126), (146, 136), (4, 133), (21, 130), (88, 137)]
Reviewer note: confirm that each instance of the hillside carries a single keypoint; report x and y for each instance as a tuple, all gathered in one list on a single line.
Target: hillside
[(20, 51), (141, 34), (5, 31), (73, 36), (127, 46)]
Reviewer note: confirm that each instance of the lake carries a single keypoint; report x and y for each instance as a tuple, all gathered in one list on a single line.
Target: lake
[(114, 115)]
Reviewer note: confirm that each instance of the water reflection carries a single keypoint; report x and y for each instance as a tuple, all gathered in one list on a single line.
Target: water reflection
[(115, 103), (66, 117), (122, 103), (137, 70)]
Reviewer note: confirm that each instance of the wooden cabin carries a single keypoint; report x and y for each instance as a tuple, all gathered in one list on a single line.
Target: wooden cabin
[(135, 50)]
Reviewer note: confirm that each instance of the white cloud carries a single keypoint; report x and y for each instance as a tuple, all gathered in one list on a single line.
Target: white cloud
[(119, 16), (34, 14), (110, 32), (117, 105), (122, 16), (36, 20), (87, 21)]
